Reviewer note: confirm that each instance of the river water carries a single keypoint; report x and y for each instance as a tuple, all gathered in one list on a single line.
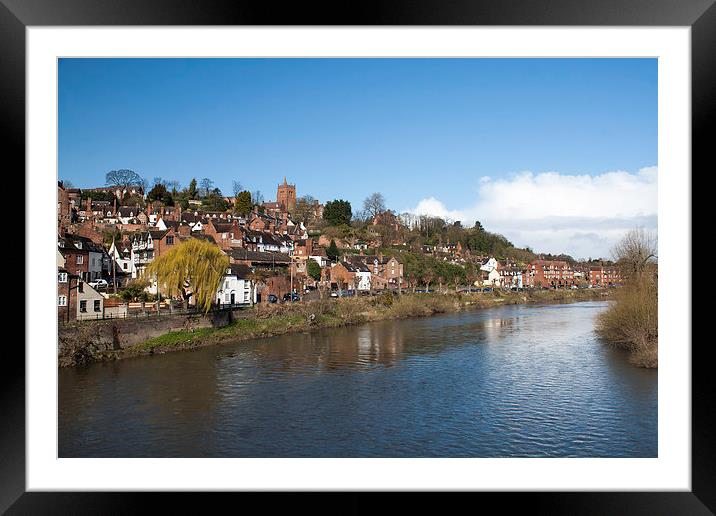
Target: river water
[(512, 381)]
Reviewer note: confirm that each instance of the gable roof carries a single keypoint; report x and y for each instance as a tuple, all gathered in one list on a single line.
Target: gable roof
[(243, 254)]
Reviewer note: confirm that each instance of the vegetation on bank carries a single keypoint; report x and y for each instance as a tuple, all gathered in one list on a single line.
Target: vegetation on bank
[(272, 320), (632, 322)]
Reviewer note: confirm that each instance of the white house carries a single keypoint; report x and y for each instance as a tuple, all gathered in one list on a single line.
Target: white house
[(491, 276), (363, 277), (122, 257), (90, 303), (235, 287)]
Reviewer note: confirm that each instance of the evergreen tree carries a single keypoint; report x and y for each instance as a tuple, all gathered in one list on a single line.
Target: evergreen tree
[(332, 251)]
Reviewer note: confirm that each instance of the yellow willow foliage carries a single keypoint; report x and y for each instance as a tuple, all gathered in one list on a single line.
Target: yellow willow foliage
[(194, 264)]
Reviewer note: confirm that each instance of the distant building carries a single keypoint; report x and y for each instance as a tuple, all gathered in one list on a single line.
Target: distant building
[(286, 195)]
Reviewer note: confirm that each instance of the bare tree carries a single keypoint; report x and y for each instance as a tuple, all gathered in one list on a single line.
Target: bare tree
[(123, 179), (374, 204), (206, 185), (237, 188), (635, 251), (257, 197), (304, 211), (173, 185)]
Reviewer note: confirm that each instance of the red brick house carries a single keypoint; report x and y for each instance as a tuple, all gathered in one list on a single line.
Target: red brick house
[(551, 273), (226, 234), (604, 275)]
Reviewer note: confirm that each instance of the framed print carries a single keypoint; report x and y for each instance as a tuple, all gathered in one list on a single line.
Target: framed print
[(416, 248)]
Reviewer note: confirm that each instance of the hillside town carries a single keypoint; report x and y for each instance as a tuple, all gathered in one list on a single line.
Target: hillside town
[(283, 250)]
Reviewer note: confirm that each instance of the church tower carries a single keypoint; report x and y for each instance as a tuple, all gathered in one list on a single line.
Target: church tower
[(286, 195)]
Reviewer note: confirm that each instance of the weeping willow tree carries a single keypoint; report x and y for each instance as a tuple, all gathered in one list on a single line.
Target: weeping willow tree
[(192, 268)]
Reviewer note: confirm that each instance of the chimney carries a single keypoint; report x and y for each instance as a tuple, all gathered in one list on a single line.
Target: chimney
[(114, 206), (89, 205)]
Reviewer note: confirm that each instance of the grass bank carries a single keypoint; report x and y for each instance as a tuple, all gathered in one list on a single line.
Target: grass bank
[(632, 321), (272, 320)]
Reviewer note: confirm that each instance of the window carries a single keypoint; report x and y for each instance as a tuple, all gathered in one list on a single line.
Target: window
[(97, 307), (62, 301), (83, 306), (124, 266), (80, 259), (80, 287), (62, 277), (170, 240)]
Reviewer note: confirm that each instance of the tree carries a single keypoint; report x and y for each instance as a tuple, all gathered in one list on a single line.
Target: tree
[(237, 188), (192, 191), (243, 204), (304, 209), (192, 268), (338, 212), (159, 193), (214, 202), (173, 186), (206, 186), (634, 252), (258, 198), (313, 269), (332, 252), (374, 204), (123, 179)]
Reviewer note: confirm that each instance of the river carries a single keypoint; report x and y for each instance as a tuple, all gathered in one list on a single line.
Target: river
[(511, 381)]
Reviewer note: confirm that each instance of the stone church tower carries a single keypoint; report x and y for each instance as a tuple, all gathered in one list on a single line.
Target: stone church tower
[(286, 195)]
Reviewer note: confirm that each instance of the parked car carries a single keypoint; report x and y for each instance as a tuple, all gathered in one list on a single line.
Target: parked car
[(487, 289), (334, 293), (99, 284), (291, 296), (272, 298)]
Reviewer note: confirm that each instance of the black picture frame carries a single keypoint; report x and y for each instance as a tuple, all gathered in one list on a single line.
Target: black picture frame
[(16, 15)]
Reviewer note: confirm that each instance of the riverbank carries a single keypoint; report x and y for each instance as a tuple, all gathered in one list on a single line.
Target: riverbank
[(270, 320)]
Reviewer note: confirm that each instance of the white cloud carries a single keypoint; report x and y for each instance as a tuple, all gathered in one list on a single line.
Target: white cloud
[(581, 215)]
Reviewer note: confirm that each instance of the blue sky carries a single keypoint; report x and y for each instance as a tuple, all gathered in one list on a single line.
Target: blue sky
[(413, 129)]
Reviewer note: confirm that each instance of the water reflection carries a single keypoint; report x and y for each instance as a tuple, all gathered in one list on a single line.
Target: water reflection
[(510, 381)]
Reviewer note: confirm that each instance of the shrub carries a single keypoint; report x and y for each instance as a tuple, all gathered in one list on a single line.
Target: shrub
[(631, 322)]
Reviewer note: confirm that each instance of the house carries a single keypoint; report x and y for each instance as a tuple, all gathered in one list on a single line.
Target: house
[(148, 245), (121, 255), (604, 275), (76, 300), (131, 215), (551, 273), (489, 273), (236, 287), (226, 234), (245, 256), (343, 276), (387, 272), (510, 275), (83, 256), (66, 311)]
